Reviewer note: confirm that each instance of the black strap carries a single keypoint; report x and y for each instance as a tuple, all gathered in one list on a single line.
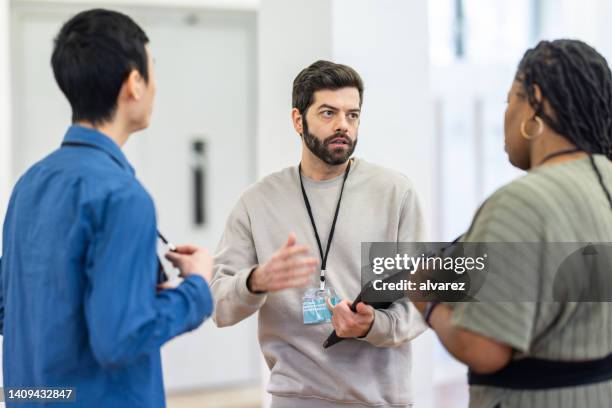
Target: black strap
[(539, 374), (559, 153), (333, 226)]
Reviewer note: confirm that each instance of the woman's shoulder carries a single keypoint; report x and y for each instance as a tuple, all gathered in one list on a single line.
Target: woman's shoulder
[(549, 185), (514, 212), (524, 189)]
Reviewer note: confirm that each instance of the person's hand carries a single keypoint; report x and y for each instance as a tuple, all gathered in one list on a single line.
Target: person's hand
[(192, 260), (350, 324), (289, 267)]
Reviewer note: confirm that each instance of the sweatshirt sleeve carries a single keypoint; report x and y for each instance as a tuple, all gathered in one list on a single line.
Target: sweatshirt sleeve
[(401, 322), (235, 259)]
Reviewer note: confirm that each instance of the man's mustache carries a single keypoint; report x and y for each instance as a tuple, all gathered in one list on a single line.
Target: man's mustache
[(337, 135)]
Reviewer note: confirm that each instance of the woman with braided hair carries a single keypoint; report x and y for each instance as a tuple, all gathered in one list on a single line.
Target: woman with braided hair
[(525, 347)]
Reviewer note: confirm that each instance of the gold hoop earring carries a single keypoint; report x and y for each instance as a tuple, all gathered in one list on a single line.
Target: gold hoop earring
[(527, 136)]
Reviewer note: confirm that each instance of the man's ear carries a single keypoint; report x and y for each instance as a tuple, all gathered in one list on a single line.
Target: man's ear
[(134, 86), (296, 118)]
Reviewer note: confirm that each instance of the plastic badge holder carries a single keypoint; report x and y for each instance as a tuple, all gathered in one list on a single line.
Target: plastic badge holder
[(314, 305)]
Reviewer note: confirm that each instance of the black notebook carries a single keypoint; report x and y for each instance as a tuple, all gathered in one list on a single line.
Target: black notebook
[(368, 295)]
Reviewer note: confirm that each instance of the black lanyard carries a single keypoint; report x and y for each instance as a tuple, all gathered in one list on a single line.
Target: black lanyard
[(559, 153), (314, 226)]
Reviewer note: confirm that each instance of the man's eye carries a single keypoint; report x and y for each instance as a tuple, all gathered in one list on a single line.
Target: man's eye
[(354, 116), (327, 114)]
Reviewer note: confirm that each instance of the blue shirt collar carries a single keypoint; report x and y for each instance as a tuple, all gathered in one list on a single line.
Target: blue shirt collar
[(96, 139)]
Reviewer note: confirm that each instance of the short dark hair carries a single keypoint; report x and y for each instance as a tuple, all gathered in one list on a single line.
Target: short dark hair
[(94, 53), (577, 83), (323, 75)]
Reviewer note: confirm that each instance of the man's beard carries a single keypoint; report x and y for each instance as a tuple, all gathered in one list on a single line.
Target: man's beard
[(321, 149)]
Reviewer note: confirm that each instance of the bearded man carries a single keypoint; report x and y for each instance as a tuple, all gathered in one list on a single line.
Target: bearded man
[(292, 246)]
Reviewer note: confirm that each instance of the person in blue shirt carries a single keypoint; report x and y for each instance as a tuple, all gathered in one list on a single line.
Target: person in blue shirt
[(80, 304)]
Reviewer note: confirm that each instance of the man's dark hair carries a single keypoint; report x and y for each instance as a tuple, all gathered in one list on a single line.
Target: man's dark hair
[(94, 53), (323, 75), (577, 83)]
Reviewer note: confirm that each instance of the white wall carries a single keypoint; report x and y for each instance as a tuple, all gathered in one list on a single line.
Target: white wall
[(208, 4), (386, 41), (292, 34), (588, 21)]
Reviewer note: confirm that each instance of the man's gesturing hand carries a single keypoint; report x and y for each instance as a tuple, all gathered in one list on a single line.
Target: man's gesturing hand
[(289, 267), (350, 324)]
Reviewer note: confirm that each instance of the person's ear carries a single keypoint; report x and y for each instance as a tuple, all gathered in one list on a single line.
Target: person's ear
[(296, 118), (537, 93), (135, 85), (542, 101)]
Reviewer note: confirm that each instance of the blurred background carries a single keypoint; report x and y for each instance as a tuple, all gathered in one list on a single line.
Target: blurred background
[(436, 73)]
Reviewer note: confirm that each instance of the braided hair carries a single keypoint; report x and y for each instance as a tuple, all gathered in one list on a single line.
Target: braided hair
[(577, 83)]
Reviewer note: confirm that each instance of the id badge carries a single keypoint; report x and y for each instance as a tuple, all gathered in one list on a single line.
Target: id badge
[(314, 305)]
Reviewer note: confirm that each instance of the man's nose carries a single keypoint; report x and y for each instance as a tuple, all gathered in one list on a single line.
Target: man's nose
[(342, 124)]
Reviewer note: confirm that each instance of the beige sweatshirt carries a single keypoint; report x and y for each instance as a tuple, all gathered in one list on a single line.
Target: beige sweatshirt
[(377, 205)]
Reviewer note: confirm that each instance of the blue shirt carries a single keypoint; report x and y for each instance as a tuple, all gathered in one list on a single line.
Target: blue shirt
[(78, 300)]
